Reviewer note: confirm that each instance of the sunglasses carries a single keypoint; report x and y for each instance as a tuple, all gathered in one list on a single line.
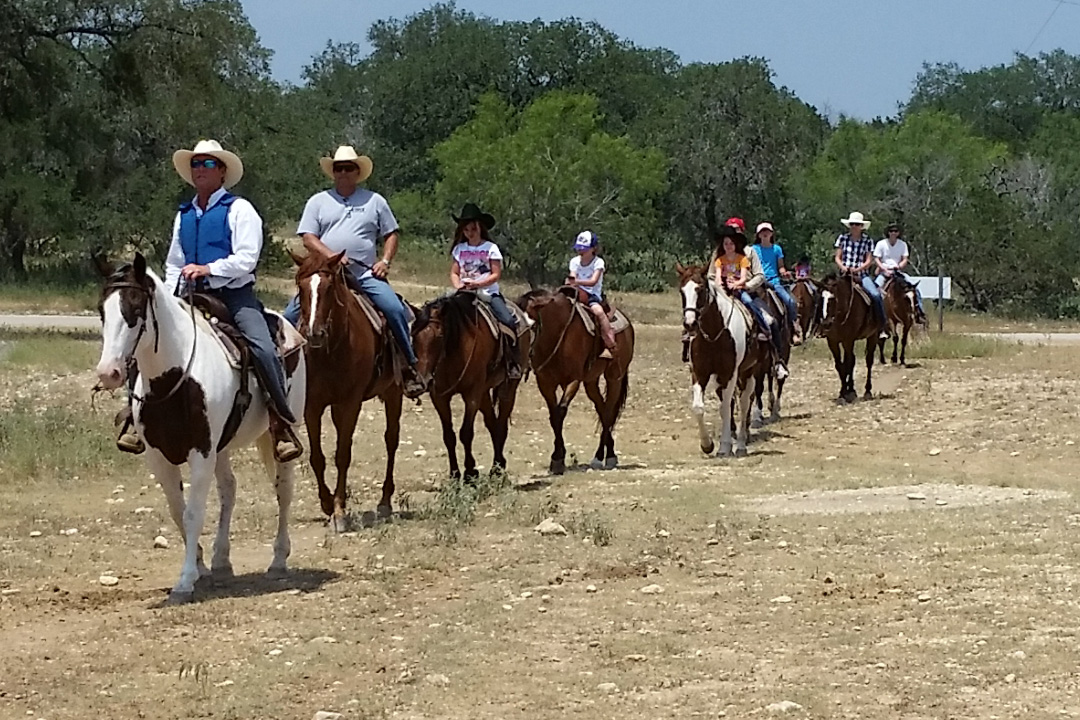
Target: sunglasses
[(210, 163), (345, 167)]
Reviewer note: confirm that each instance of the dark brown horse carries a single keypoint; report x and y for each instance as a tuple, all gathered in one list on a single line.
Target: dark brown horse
[(766, 372), (845, 317), (348, 363), (805, 292), (456, 347), (901, 309), (564, 356), (723, 347)]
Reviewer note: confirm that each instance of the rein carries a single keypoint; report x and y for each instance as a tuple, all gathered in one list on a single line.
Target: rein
[(147, 400), (558, 343)]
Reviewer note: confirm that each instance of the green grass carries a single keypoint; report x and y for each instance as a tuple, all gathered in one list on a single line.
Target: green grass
[(946, 346), (54, 351), (53, 441), (454, 507)]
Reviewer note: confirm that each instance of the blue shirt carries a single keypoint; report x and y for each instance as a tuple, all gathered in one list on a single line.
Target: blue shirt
[(770, 257)]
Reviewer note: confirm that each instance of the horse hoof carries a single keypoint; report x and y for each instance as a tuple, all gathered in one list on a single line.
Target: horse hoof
[(180, 598), (611, 463), (327, 504), (708, 448), (277, 572), (339, 523), (221, 574), (868, 395), (384, 512), (740, 452), (471, 476), (724, 452), (757, 423), (557, 467), (596, 463)]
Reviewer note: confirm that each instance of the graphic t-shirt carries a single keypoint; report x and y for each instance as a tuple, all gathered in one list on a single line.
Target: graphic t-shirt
[(732, 266), (770, 260), (802, 271), (585, 272), (474, 261)]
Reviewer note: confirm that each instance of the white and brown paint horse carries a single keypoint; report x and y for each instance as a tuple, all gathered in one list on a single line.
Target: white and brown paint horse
[(723, 349), (183, 394)]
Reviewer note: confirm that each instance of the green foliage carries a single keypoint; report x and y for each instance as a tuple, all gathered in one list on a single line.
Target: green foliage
[(547, 173)]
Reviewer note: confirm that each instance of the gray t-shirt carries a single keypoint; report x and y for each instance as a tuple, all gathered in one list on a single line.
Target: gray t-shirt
[(354, 224)]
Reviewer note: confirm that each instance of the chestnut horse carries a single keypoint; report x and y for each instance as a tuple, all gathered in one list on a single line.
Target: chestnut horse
[(901, 310), (565, 355), (805, 293), (722, 347), (845, 317), (348, 363), (455, 347)]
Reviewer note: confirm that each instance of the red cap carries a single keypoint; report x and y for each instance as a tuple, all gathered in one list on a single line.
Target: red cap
[(736, 223)]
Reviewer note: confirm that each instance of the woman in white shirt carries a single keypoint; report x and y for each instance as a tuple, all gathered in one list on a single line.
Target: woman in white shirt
[(477, 267), (891, 257)]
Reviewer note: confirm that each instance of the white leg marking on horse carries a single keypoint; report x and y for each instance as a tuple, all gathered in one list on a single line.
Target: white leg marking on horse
[(226, 483), (202, 476), (725, 417), (315, 280)]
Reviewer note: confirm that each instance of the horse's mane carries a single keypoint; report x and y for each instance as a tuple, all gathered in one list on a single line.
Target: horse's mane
[(540, 293), (457, 312)]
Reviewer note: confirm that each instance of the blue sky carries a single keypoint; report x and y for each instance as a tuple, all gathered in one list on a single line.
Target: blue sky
[(856, 57)]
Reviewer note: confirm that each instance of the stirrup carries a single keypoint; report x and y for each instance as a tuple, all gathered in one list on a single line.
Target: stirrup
[(413, 385), (129, 442)]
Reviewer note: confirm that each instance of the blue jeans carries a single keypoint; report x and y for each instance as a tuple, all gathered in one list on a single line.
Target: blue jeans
[(388, 303), (755, 306), (875, 295), (247, 313), (502, 313), (789, 302), (880, 280)]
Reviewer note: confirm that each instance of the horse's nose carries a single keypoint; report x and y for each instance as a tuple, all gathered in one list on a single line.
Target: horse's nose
[(110, 376)]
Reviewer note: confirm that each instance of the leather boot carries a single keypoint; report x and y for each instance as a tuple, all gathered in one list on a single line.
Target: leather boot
[(414, 384), (513, 359), (128, 441), (286, 445)]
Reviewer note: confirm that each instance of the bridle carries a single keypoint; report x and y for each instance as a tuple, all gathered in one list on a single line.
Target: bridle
[(152, 312), (704, 299), (559, 342), (328, 324)]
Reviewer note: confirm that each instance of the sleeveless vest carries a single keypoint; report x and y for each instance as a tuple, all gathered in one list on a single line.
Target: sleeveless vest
[(207, 238)]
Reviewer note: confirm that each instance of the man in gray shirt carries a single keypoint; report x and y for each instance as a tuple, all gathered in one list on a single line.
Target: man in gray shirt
[(354, 219)]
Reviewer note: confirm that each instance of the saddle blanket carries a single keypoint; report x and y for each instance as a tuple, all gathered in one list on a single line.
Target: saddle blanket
[(619, 321)]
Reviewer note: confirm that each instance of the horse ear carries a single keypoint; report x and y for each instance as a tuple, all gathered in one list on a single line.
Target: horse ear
[(335, 260), (140, 267), (297, 259), (679, 268), (102, 264)]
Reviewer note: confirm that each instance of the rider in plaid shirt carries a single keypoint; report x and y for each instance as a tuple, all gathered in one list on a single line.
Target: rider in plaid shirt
[(855, 255)]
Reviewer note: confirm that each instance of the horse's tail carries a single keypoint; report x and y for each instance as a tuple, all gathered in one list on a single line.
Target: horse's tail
[(624, 391)]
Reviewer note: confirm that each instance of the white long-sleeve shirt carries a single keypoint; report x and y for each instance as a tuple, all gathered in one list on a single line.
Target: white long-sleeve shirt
[(236, 270)]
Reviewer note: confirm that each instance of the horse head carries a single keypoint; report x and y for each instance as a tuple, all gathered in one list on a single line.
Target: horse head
[(440, 327), (694, 288), (320, 281), (125, 306), (834, 301)]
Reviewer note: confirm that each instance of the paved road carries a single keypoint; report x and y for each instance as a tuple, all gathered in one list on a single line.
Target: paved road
[(1032, 338), (51, 322)]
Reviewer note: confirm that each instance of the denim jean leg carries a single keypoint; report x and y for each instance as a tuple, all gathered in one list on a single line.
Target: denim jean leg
[(789, 302), (748, 300), (875, 295), (292, 311), (389, 304), (502, 312), (247, 313)]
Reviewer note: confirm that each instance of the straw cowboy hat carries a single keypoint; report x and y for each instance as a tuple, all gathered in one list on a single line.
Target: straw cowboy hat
[(234, 169), (345, 153), (855, 218)]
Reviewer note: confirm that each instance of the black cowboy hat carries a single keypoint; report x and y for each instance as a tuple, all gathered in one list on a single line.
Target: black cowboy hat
[(472, 212), (737, 235), (893, 226)]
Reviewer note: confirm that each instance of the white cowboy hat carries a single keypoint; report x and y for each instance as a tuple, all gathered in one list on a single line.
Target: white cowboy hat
[(234, 169), (855, 218), (345, 153), (764, 226)]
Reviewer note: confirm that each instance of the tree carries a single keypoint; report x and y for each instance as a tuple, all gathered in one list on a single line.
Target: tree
[(547, 173)]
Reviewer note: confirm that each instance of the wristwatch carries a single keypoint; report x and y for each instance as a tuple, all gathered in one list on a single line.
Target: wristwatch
[(385, 262)]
